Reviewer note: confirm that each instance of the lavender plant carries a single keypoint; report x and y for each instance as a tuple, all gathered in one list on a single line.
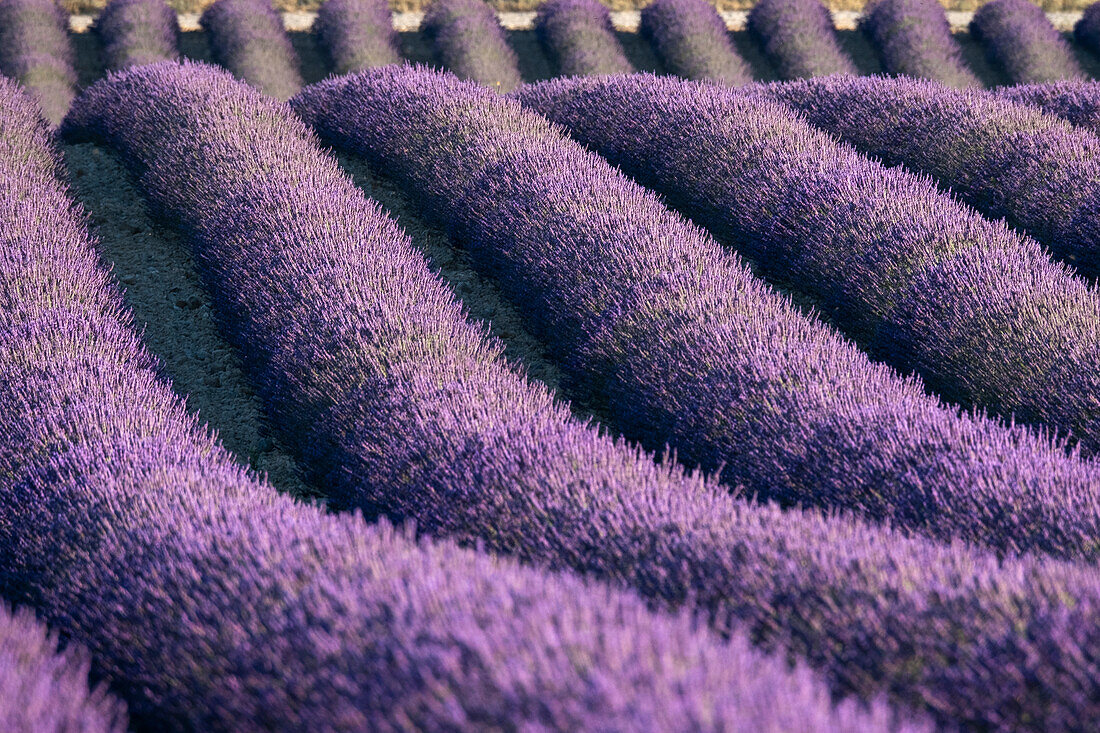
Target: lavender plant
[(913, 38), (248, 39), (337, 320), (799, 38), (44, 689), (356, 34), (579, 36), (137, 32), (1075, 101), (470, 42), (1020, 38), (213, 603), (579, 238), (35, 51), (693, 42), (1086, 30), (1005, 159)]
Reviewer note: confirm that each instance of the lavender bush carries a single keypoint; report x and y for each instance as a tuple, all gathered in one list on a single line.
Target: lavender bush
[(1005, 159), (692, 41), (913, 38), (1019, 37), (579, 36), (137, 32), (470, 42), (1087, 29), (356, 34), (45, 690), (547, 216), (35, 51), (799, 38), (211, 602), (1075, 101), (927, 284), (325, 295), (247, 37)]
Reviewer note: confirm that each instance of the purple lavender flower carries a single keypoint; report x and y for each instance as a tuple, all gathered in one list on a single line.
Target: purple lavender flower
[(913, 38), (799, 38), (44, 689), (35, 51), (137, 32), (1075, 101), (247, 37), (470, 42), (693, 42), (579, 36), (1020, 38), (356, 34)]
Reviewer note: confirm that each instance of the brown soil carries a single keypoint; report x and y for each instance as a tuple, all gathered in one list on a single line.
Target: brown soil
[(156, 270)]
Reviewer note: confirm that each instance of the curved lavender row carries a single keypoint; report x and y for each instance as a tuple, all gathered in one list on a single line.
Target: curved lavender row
[(927, 284), (1019, 36), (137, 32), (913, 38), (475, 644), (579, 36), (35, 51), (44, 689), (247, 37), (356, 34), (940, 627), (470, 42), (692, 41), (799, 38), (1087, 29), (831, 428), (1075, 101), (1005, 159)]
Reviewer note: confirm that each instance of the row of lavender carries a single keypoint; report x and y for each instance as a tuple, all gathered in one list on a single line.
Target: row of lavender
[(211, 602), (353, 351)]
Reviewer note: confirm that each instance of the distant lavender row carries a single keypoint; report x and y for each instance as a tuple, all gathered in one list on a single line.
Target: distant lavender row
[(423, 638), (1087, 30), (35, 51), (913, 38), (470, 42), (579, 36), (137, 32), (356, 34), (1075, 101), (927, 284), (945, 628), (1019, 37), (692, 41), (1005, 159), (799, 38), (793, 411), (44, 690), (247, 37)]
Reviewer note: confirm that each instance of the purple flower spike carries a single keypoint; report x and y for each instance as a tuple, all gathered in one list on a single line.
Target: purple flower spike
[(247, 37), (35, 51), (1075, 101), (356, 35), (913, 38), (233, 607), (44, 689), (579, 36), (470, 42), (137, 32), (799, 38), (692, 41), (1020, 38)]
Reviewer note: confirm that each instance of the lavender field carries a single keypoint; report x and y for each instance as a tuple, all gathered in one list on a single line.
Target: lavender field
[(489, 375)]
